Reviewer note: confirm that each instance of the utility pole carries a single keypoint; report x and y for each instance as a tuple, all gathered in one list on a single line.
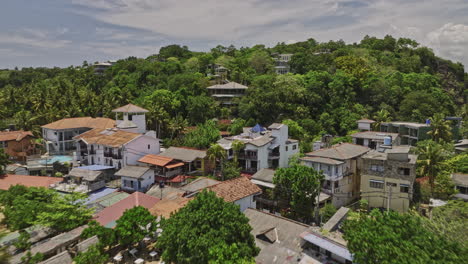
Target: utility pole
[(389, 197)]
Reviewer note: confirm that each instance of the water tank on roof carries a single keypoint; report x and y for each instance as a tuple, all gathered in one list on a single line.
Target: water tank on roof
[(387, 141)]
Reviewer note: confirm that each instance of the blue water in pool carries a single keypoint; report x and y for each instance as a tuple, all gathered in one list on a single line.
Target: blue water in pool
[(53, 159)]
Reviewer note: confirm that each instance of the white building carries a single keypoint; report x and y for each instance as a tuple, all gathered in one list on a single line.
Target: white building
[(282, 63), (365, 124), (131, 118), (114, 147), (264, 148), (136, 178), (376, 140), (339, 165), (59, 135)]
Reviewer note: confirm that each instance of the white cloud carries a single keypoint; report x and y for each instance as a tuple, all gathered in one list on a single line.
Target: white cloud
[(451, 41), (34, 38)]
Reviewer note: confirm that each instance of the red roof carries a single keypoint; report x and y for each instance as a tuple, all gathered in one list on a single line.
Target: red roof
[(108, 216), (14, 135), (156, 160), (235, 189), (176, 179), (8, 180)]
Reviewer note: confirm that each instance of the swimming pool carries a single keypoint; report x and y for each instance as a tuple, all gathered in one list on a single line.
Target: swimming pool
[(59, 158)]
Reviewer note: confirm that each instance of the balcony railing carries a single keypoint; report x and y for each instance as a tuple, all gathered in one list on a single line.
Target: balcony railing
[(249, 156)]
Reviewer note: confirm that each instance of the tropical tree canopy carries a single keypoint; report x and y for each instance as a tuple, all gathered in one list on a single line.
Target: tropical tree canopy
[(207, 230)]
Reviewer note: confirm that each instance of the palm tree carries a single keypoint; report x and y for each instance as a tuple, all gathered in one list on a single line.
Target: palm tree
[(380, 117), (216, 153), (440, 129), (237, 146), (431, 156)]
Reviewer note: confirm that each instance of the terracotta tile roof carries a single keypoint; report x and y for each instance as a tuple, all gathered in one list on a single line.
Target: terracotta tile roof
[(111, 138), (156, 160), (14, 135), (235, 189), (130, 108), (342, 151), (175, 165), (79, 122), (8, 180), (108, 216), (169, 205)]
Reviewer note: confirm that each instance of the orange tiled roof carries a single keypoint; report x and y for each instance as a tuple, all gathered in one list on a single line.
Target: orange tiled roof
[(155, 160), (14, 135), (8, 180), (109, 215), (169, 205), (235, 189), (79, 122), (108, 137)]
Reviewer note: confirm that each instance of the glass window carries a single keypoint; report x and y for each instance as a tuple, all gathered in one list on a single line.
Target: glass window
[(404, 171), (376, 184), (286, 148), (404, 188), (149, 146), (294, 147)]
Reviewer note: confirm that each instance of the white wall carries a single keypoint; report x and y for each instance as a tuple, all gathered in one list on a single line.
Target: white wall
[(137, 148), (246, 202), (146, 181)]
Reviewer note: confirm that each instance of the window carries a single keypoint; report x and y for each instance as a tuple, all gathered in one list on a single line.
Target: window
[(149, 146), (404, 171), (286, 148), (294, 147), (377, 168), (376, 184), (391, 184), (336, 169), (336, 184), (130, 117), (404, 188)]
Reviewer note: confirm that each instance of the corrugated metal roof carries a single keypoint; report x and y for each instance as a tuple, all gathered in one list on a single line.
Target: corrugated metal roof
[(183, 154), (132, 171), (342, 151), (327, 244), (61, 258), (157, 160), (87, 175), (85, 244)]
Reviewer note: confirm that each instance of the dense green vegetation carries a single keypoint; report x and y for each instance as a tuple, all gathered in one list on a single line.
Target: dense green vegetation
[(207, 230), (25, 206), (334, 85), (391, 237)]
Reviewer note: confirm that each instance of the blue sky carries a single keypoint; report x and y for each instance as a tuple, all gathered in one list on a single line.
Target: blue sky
[(67, 32)]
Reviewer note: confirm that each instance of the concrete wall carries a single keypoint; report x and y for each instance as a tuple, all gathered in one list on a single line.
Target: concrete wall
[(138, 148), (246, 202), (145, 182)]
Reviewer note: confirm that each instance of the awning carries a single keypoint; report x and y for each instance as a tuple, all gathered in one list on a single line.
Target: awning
[(264, 184), (273, 146), (327, 244), (170, 166)]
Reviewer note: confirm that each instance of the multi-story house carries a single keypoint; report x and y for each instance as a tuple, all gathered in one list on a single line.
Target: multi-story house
[(263, 148), (375, 139), (114, 147), (225, 93), (131, 118), (17, 144), (59, 135), (387, 178), (410, 133), (282, 63), (340, 166), (176, 161)]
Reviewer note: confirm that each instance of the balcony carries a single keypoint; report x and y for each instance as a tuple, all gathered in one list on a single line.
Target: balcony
[(117, 156), (108, 154), (273, 156), (248, 156)]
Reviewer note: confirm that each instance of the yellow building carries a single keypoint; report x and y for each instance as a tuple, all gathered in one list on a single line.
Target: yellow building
[(387, 178)]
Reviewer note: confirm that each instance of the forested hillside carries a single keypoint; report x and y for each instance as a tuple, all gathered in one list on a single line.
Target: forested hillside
[(334, 85)]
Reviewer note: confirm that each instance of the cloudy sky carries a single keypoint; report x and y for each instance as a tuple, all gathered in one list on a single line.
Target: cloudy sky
[(67, 32)]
